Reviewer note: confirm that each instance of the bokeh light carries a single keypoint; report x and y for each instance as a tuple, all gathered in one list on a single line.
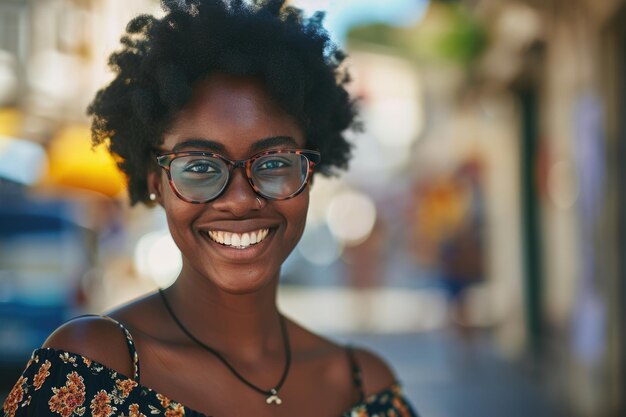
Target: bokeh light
[(157, 258), (351, 216)]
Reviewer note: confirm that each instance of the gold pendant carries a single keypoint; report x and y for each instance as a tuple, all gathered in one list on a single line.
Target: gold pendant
[(274, 398)]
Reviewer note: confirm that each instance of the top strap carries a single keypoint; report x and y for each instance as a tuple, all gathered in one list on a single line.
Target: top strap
[(132, 350), (134, 357), (355, 371)]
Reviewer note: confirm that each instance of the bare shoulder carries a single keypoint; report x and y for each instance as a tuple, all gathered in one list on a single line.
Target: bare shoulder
[(375, 372), (97, 338)]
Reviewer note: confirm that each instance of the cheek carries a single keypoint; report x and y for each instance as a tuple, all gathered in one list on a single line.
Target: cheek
[(297, 215), (178, 231), (176, 209), (180, 217)]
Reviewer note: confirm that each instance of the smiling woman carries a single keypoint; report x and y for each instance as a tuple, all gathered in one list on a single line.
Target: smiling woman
[(221, 112)]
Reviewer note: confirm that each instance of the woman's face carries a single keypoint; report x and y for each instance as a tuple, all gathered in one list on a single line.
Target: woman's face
[(234, 117)]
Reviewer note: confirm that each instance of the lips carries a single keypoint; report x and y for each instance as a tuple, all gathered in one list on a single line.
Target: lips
[(238, 240)]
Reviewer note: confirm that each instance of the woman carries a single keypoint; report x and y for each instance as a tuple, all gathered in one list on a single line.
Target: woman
[(220, 113)]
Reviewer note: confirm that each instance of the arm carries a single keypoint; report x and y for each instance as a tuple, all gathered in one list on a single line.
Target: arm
[(72, 370), (97, 338), (376, 375), (382, 392)]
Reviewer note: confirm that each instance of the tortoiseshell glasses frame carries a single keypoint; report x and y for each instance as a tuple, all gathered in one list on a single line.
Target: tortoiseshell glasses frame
[(312, 158)]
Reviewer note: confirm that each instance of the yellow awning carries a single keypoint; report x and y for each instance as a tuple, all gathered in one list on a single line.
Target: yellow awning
[(73, 162)]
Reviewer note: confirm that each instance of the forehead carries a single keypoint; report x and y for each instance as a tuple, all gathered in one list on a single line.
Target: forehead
[(234, 113)]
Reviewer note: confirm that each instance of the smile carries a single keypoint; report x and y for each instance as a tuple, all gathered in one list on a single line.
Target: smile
[(238, 240)]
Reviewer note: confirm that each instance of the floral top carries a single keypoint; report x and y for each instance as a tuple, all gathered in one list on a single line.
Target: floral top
[(58, 383)]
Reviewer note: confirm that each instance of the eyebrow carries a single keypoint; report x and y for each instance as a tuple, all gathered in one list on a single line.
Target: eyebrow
[(210, 145), (273, 141), (217, 147)]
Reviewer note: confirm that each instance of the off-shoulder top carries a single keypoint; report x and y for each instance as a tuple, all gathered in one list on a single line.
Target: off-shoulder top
[(59, 383)]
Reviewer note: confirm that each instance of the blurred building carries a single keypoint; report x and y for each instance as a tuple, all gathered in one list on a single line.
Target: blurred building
[(52, 54), (563, 62), (535, 90)]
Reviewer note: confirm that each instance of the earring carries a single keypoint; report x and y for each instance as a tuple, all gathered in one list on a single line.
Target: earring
[(152, 197), (258, 200)]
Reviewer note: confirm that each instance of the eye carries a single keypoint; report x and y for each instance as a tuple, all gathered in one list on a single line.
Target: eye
[(272, 163), (200, 166)]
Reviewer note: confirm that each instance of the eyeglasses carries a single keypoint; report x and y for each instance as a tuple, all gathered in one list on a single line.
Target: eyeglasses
[(199, 177)]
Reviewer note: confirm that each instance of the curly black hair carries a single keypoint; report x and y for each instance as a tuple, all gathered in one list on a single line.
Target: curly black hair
[(161, 59)]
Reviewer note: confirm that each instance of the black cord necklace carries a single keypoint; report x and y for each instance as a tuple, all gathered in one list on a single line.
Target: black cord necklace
[(272, 394)]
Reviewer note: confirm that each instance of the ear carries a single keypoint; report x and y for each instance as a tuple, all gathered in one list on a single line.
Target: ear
[(155, 186)]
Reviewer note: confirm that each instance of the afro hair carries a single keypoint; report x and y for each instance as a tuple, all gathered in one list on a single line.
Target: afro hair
[(161, 59)]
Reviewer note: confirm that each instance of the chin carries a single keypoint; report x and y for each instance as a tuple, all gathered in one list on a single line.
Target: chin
[(239, 282)]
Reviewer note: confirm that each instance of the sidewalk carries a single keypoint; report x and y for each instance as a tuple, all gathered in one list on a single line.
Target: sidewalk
[(443, 380)]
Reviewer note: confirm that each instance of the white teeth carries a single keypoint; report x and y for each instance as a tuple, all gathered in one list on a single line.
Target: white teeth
[(239, 240)]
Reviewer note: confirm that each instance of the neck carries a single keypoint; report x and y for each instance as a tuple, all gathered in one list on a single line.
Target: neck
[(243, 325)]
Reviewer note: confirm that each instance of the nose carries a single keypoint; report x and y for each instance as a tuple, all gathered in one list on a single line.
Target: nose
[(239, 198)]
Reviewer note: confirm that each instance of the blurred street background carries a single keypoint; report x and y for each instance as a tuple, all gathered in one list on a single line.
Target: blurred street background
[(477, 241)]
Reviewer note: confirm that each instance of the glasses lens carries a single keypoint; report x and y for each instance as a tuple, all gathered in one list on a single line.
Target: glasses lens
[(198, 177), (280, 175)]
